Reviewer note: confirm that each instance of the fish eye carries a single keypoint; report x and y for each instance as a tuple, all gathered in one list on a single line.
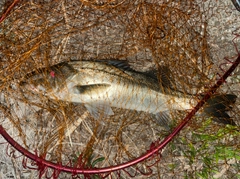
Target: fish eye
[(52, 74)]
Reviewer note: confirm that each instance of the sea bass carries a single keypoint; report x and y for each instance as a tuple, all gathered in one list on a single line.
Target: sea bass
[(100, 85)]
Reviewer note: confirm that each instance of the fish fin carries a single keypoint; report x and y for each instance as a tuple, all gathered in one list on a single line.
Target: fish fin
[(165, 77), (161, 76), (90, 89), (163, 119), (153, 74), (120, 64), (236, 3), (217, 107), (98, 109)]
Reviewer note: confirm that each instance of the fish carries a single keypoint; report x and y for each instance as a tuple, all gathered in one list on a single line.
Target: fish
[(236, 3), (103, 84)]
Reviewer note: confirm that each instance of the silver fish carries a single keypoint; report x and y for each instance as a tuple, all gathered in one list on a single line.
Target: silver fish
[(100, 85)]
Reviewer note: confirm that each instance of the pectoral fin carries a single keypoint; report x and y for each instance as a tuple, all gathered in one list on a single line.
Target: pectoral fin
[(90, 89), (99, 109)]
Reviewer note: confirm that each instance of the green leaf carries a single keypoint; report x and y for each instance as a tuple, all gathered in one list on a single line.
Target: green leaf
[(97, 161)]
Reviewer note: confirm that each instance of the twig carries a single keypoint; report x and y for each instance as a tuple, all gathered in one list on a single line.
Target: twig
[(16, 170), (8, 10)]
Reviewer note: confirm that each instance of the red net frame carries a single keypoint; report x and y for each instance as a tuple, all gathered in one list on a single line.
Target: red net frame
[(153, 152)]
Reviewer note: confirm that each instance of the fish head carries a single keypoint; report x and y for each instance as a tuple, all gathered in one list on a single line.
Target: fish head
[(49, 79)]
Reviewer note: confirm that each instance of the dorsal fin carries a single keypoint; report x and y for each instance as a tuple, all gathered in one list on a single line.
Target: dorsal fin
[(161, 76), (120, 64), (165, 77), (152, 74)]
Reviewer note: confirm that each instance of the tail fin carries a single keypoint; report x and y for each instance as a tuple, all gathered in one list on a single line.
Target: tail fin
[(217, 107)]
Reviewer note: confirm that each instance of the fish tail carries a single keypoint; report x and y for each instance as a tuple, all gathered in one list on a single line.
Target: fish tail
[(217, 107)]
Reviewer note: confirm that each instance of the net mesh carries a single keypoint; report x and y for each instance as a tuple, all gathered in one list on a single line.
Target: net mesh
[(192, 38)]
